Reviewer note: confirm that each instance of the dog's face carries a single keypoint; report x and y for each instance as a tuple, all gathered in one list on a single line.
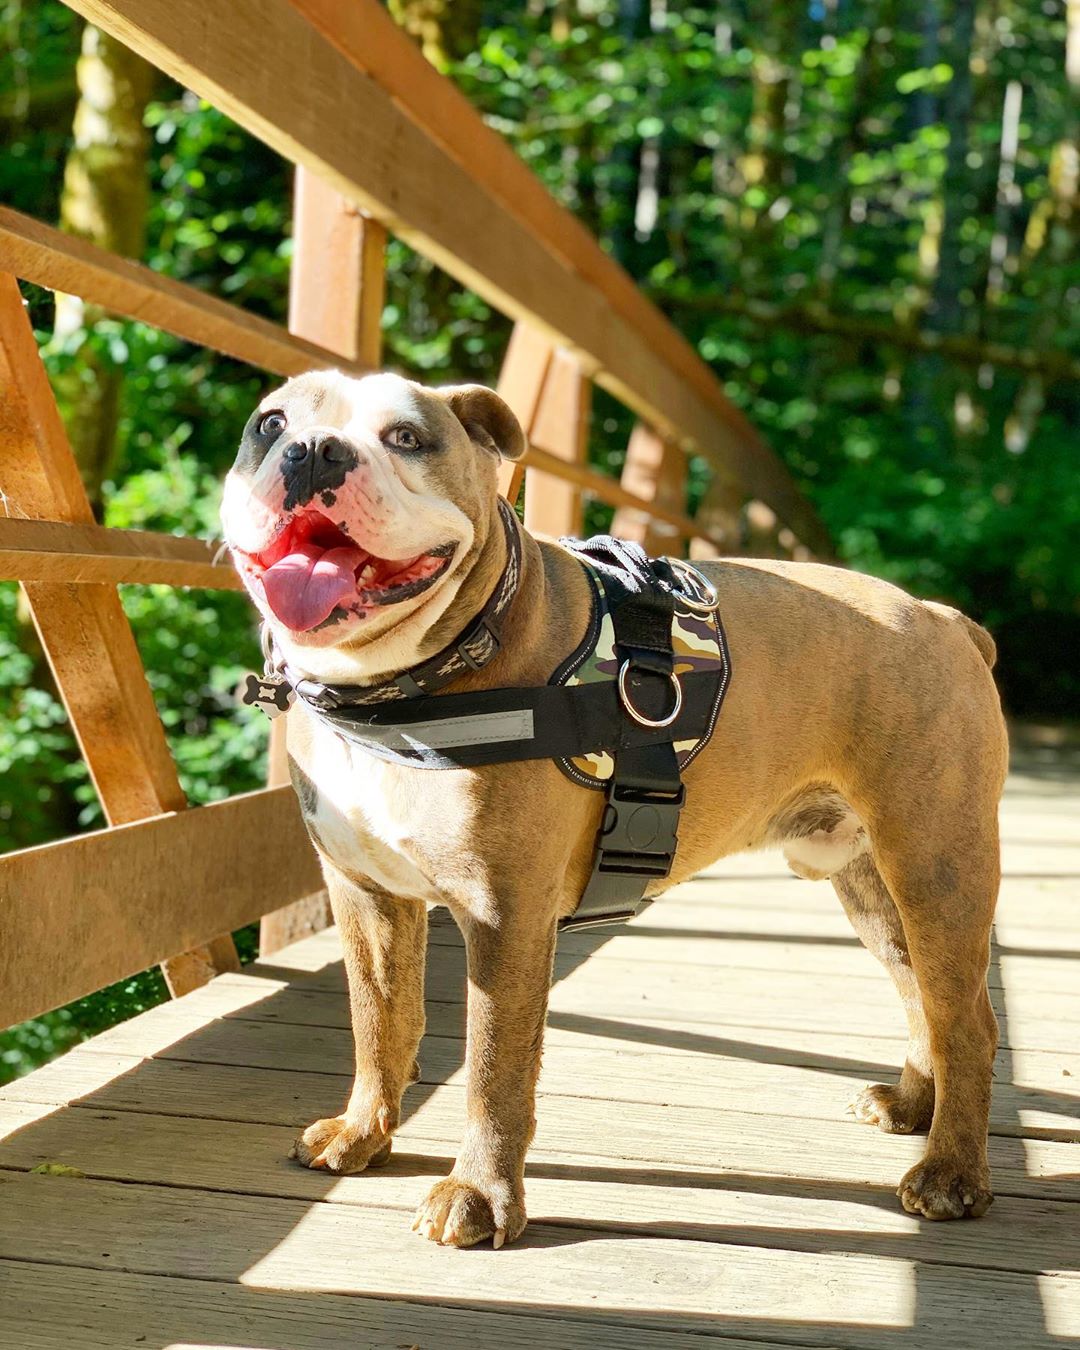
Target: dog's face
[(356, 507)]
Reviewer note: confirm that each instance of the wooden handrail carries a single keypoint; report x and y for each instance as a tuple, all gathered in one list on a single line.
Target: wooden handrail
[(243, 55), (50, 550)]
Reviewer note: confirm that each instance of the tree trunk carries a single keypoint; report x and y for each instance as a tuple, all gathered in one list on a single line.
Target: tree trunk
[(105, 201), (1058, 244)]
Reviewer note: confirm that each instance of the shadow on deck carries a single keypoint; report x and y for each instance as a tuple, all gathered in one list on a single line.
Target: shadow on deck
[(693, 1173)]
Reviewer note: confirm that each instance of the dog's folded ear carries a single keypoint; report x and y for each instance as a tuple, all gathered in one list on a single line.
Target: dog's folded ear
[(488, 420)]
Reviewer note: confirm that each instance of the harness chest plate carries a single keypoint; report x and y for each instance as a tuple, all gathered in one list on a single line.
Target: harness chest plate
[(698, 645)]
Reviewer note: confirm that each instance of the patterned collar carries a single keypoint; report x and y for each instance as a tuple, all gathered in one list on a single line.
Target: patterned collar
[(472, 649)]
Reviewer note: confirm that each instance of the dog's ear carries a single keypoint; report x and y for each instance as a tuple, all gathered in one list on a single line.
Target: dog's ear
[(488, 420)]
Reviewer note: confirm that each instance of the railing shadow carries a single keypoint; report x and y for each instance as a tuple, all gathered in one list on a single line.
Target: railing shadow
[(935, 1284)]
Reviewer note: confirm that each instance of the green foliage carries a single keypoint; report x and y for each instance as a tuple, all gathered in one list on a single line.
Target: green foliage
[(848, 156)]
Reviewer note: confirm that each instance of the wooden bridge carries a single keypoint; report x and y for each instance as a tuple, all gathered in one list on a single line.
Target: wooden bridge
[(693, 1172)]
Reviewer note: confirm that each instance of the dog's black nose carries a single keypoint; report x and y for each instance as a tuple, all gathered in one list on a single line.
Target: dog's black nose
[(314, 463)]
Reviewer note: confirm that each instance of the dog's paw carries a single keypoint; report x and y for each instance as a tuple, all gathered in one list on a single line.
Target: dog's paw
[(946, 1189), (894, 1109), (458, 1214), (340, 1145)]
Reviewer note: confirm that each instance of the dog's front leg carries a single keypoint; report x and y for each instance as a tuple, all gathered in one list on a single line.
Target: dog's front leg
[(510, 959), (384, 939)]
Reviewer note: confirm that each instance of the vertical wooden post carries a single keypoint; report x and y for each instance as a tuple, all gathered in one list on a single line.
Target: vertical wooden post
[(521, 384), (551, 398), (655, 469), (337, 288), (561, 427), (83, 629), (721, 514), (337, 285)]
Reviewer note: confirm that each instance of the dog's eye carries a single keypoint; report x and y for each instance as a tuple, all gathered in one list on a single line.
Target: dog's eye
[(272, 423), (402, 438)]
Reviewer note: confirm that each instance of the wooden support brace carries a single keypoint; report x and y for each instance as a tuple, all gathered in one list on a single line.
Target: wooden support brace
[(654, 470), (83, 629), (336, 293)]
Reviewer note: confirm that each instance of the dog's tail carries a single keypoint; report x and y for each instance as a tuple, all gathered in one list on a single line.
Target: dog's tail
[(981, 638)]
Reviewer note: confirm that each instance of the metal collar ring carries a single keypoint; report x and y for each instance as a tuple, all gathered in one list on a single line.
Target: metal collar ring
[(700, 595)]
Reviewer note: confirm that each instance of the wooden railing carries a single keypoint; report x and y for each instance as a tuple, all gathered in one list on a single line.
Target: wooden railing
[(382, 144)]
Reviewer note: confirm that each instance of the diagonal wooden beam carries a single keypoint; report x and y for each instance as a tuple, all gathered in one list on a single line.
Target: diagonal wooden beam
[(46, 256), (83, 629)]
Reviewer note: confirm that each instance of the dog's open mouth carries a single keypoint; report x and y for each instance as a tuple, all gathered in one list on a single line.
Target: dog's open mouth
[(313, 569)]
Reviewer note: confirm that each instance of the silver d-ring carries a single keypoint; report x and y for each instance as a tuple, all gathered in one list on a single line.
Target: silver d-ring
[(639, 717), (703, 599)]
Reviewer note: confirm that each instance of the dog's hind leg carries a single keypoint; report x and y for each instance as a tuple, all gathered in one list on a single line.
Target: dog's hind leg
[(907, 1105), (944, 878), (384, 939)]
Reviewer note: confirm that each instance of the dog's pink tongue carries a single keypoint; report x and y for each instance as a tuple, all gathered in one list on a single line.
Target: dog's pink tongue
[(304, 587)]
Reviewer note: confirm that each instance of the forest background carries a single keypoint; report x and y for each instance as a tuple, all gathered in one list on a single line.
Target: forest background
[(865, 216)]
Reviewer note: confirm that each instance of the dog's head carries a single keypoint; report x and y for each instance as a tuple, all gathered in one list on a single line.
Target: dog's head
[(357, 507)]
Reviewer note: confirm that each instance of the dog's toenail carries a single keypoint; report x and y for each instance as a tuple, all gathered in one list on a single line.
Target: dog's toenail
[(499, 1238)]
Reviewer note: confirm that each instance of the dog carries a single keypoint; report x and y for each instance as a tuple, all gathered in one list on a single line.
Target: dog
[(862, 733)]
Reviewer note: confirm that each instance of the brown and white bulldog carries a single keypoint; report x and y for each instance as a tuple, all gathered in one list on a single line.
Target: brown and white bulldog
[(862, 734)]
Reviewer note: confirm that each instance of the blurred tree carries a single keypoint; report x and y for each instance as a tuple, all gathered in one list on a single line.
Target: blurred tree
[(104, 200)]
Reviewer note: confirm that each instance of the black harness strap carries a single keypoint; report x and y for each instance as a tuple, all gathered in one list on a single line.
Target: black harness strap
[(498, 726), (645, 794)]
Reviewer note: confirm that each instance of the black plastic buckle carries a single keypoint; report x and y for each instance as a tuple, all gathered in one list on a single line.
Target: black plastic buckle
[(318, 695), (635, 846)]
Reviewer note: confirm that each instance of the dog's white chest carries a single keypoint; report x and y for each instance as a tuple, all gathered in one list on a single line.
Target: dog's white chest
[(363, 819)]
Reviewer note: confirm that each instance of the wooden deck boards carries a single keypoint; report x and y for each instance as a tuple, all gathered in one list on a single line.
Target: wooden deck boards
[(694, 1173)]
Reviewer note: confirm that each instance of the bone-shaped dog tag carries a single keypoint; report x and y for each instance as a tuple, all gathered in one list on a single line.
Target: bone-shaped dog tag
[(269, 692)]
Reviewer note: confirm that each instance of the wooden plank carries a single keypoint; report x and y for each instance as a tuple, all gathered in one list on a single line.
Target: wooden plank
[(693, 992), (704, 1017), (62, 262), (255, 1000), (48, 550), (246, 1071), (655, 982), (49, 1306), (821, 1298), (594, 1190), (107, 904), (83, 630), (242, 58), (839, 961), (560, 427), (720, 515)]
